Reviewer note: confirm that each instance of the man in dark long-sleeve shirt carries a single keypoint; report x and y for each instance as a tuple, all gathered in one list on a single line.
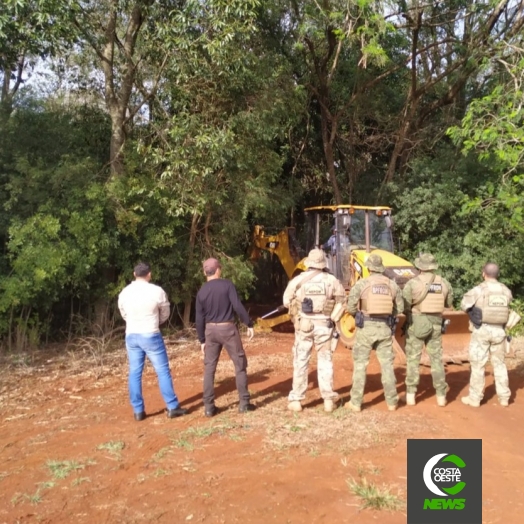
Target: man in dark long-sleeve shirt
[(216, 303)]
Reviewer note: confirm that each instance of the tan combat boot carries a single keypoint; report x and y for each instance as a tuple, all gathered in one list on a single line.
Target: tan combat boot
[(392, 407), (349, 405), (441, 401), (294, 405), (329, 406), (504, 402), (470, 402), (410, 399)]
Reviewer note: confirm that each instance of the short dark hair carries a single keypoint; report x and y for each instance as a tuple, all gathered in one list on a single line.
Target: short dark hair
[(142, 269), (491, 270)]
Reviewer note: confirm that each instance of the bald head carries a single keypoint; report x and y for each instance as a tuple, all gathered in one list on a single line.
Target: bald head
[(491, 270)]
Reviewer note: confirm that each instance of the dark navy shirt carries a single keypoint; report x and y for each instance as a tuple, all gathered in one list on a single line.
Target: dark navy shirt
[(217, 301)]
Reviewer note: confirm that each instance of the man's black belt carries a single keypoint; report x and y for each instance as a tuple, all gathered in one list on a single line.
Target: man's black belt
[(378, 319)]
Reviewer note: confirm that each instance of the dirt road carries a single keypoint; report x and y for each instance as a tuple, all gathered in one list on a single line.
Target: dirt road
[(71, 452)]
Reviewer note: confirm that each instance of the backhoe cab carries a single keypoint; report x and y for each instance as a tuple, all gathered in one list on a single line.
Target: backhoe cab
[(357, 232)]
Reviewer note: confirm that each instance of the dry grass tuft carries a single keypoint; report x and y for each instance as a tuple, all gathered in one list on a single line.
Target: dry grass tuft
[(374, 496)]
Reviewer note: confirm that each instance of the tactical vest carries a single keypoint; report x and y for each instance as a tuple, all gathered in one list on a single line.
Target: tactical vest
[(435, 300), (318, 290), (377, 297), (494, 303)]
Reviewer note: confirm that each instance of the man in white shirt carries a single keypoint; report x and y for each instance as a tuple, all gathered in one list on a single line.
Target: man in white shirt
[(144, 307)]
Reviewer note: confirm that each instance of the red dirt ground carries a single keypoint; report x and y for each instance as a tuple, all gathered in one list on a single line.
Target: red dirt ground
[(266, 466)]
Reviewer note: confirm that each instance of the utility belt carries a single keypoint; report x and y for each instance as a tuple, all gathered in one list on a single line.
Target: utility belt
[(377, 319), (390, 320), (315, 317)]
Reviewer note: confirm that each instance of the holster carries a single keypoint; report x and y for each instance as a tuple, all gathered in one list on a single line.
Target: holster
[(359, 319), (307, 306), (475, 316)]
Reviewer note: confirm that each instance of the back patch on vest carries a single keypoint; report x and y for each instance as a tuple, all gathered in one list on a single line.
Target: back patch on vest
[(435, 288), (380, 289), (497, 301), (315, 288)]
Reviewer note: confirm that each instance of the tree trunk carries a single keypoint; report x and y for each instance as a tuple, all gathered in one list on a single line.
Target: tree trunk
[(118, 137), (327, 142), (188, 302)]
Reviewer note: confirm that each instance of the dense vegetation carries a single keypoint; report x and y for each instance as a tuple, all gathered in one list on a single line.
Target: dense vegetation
[(164, 130)]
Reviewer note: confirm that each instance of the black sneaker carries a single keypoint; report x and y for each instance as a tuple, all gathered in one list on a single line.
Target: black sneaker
[(140, 416), (246, 407), (211, 411), (177, 412)]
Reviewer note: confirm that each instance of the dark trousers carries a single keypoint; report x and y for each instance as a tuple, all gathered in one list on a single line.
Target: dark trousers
[(217, 337)]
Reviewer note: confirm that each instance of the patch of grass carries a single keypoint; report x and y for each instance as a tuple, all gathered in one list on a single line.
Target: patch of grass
[(114, 447), (235, 437), (35, 498), (60, 469), (368, 468), (161, 453), (16, 498), (183, 443), (373, 496), (3, 475), (186, 439), (159, 472), (80, 480), (46, 485)]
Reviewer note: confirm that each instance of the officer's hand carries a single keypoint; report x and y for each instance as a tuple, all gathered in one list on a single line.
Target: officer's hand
[(203, 348), (250, 334)]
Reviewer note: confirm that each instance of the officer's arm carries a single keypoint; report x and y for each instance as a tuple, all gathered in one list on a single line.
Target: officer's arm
[(407, 295), (468, 300), (121, 306), (353, 298), (398, 306), (339, 293), (164, 309), (449, 298), (289, 294)]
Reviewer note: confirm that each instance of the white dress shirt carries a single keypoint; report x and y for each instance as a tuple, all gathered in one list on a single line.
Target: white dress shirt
[(143, 306)]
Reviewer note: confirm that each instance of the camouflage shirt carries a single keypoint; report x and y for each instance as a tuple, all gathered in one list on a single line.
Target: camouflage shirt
[(358, 288)]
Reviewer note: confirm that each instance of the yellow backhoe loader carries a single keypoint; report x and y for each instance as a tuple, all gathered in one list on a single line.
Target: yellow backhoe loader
[(356, 232)]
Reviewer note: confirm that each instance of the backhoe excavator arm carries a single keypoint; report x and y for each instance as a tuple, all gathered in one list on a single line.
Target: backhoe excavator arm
[(281, 244)]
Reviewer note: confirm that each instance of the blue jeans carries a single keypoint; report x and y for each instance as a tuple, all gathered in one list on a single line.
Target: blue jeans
[(152, 345)]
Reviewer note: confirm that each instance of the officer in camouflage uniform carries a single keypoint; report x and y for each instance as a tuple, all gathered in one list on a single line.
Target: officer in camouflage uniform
[(488, 307), (379, 299), (425, 298), (311, 298)]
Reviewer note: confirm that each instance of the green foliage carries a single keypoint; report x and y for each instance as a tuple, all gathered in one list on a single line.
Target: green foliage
[(236, 111)]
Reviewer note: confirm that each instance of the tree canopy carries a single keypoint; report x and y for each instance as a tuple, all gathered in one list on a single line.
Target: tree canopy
[(164, 131)]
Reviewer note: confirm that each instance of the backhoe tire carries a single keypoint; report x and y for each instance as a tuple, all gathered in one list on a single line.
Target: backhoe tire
[(347, 330)]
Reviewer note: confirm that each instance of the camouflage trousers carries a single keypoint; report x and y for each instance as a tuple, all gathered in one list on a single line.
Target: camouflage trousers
[(374, 335), (308, 333), (488, 342), (433, 343)]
